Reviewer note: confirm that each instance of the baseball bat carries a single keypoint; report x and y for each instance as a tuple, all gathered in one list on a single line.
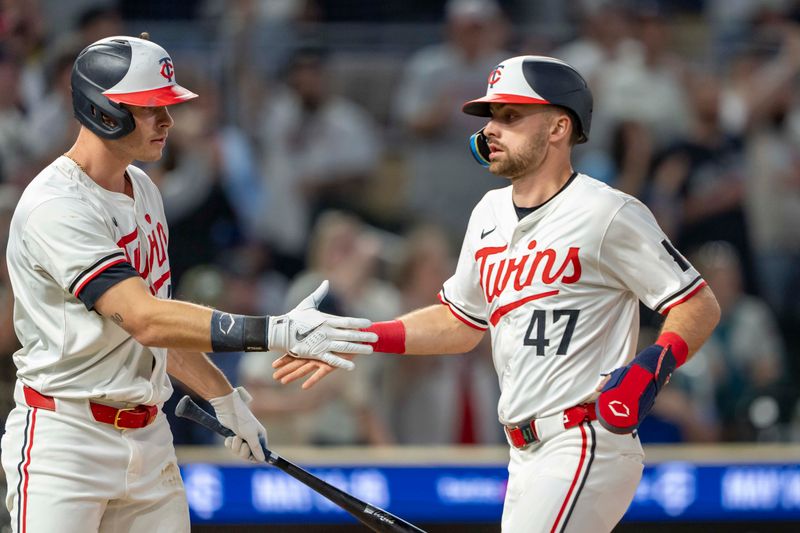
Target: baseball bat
[(373, 517)]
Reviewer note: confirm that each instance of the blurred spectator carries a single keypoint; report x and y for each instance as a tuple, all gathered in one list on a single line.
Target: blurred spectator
[(97, 22), (23, 37), (627, 163), (8, 338), (438, 400), (762, 72), (202, 222), (699, 184), (14, 148), (761, 103), (445, 183), (605, 37), (318, 151), (643, 85), (744, 358), (346, 410), (51, 127)]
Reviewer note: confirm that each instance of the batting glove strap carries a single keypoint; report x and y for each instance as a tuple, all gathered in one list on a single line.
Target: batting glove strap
[(630, 392)]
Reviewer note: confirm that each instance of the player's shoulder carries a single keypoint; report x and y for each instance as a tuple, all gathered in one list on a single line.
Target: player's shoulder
[(144, 181), (140, 176), (600, 194), (494, 200), (54, 188)]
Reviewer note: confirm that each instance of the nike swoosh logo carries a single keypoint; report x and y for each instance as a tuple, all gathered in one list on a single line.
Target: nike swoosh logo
[(484, 233), (301, 336)]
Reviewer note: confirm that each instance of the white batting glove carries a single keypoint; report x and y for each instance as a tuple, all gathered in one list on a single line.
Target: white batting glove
[(234, 414), (307, 333)]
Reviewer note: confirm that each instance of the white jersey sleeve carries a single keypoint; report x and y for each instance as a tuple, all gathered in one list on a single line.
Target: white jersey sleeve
[(69, 241), (462, 293), (635, 254)]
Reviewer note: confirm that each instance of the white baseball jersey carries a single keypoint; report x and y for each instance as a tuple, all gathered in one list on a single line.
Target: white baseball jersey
[(70, 240), (559, 290)]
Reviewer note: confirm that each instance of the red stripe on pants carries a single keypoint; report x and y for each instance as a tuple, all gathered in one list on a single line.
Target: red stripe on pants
[(574, 479), (25, 473)]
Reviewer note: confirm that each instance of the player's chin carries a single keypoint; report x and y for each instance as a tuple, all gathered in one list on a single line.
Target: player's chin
[(498, 168), (152, 153)]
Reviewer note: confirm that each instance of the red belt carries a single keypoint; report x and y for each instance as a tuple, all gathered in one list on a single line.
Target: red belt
[(525, 434), (124, 418)]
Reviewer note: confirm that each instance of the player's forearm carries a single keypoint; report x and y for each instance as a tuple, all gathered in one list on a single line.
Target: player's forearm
[(198, 373), (175, 324), (694, 319), (434, 330)]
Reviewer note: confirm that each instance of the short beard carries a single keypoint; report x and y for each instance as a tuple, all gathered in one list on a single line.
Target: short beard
[(529, 157)]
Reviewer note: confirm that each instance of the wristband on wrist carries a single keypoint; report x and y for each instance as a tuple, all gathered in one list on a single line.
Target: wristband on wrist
[(238, 333), (680, 350), (391, 336)]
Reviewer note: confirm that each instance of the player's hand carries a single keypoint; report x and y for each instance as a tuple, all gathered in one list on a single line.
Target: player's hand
[(628, 393), (307, 333), (233, 413), (289, 369)]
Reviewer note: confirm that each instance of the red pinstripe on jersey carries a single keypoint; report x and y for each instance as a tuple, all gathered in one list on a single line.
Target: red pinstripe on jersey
[(22, 486), (578, 480)]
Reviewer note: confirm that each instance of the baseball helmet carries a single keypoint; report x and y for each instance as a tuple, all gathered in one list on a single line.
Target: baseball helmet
[(122, 70), (533, 80)]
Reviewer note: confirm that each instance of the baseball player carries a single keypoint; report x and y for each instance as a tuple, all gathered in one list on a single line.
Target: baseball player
[(87, 448), (554, 267)]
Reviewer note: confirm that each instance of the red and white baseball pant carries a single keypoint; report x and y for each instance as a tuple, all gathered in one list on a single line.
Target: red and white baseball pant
[(66, 472), (581, 479)]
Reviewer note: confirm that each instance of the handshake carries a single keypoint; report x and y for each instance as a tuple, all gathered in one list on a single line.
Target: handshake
[(305, 332)]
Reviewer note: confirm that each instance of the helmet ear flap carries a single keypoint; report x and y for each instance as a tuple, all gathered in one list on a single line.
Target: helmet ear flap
[(479, 147), (93, 110)]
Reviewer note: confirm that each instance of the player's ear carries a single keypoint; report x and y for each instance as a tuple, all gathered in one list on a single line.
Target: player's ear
[(560, 125)]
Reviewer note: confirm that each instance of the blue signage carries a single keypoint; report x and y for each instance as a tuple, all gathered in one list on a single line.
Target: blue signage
[(668, 491)]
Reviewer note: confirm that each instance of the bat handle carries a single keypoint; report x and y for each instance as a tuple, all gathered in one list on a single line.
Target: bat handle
[(187, 408)]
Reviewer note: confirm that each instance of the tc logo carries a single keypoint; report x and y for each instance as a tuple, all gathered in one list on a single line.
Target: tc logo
[(623, 409), (167, 70), (495, 75)]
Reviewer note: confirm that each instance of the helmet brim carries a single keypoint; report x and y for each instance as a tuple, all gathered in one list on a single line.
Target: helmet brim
[(169, 95), (480, 107)]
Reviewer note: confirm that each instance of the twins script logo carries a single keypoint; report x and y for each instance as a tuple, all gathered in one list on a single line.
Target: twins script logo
[(150, 263), (542, 266)]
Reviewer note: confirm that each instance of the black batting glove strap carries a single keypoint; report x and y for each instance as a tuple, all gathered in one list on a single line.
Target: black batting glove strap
[(238, 333)]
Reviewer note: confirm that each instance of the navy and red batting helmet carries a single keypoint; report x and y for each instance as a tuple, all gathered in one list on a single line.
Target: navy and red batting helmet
[(533, 80), (122, 70)]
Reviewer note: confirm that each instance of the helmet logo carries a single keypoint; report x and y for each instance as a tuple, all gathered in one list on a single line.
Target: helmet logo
[(167, 70), (495, 75)]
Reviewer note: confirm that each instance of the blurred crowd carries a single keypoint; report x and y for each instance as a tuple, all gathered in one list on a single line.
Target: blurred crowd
[(328, 143)]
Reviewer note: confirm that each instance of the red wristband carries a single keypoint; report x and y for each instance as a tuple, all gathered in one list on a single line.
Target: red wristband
[(679, 347), (391, 336)]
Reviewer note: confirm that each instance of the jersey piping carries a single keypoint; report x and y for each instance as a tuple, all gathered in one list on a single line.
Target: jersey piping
[(93, 271), (695, 286), (97, 285), (471, 321)]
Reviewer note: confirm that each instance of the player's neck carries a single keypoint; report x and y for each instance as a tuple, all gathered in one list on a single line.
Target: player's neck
[(538, 186), (100, 162)]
